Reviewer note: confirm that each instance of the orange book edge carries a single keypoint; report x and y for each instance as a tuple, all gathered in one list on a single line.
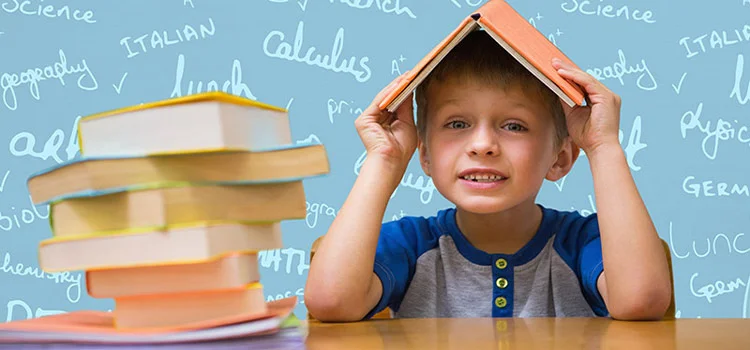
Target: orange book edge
[(491, 16), (103, 322)]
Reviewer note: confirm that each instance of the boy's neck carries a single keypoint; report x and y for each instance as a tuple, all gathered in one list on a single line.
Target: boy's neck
[(500, 233)]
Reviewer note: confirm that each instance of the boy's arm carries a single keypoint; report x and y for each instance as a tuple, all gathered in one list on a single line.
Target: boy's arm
[(341, 284), (635, 283)]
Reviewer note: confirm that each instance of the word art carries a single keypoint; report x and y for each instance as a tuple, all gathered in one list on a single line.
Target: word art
[(24, 144)]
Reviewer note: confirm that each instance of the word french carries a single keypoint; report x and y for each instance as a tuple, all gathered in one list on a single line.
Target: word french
[(386, 6), (607, 11), (292, 52), (620, 69), (32, 76), (160, 39)]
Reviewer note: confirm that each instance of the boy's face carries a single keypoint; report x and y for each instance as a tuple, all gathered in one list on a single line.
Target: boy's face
[(488, 149)]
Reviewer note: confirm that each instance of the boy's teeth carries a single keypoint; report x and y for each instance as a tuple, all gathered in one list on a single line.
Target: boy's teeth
[(483, 178)]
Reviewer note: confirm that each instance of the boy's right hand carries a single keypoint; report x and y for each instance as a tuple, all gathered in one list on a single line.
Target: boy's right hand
[(390, 136)]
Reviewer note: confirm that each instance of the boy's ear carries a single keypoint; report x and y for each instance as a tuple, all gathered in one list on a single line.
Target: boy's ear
[(566, 157), (424, 158)]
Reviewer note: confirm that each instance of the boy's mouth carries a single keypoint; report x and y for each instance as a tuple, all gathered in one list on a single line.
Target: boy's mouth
[(483, 178), (482, 175)]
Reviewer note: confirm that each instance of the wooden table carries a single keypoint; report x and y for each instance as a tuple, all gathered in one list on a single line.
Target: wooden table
[(530, 333)]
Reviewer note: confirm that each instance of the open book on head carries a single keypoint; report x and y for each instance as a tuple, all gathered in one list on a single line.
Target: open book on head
[(511, 31)]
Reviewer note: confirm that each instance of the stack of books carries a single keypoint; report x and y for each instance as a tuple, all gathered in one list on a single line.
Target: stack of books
[(169, 204)]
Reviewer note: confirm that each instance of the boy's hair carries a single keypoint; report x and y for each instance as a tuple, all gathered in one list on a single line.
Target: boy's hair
[(480, 57)]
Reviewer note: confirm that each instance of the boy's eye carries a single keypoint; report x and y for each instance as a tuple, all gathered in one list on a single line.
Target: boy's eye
[(457, 124), (515, 127)]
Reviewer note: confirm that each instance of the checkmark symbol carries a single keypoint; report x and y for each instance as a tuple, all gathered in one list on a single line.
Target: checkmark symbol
[(5, 178), (302, 4), (118, 88), (560, 183), (679, 85)]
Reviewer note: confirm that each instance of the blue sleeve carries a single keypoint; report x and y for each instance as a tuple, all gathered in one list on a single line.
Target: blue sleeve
[(591, 265), (396, 255), (582, 243)]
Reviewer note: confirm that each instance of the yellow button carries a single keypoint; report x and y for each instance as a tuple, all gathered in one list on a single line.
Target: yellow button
[(501, 263), (500, 302), (501, 282)]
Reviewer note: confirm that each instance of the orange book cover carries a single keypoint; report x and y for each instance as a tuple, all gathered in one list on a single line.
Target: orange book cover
[(530, 47), (87, 326)]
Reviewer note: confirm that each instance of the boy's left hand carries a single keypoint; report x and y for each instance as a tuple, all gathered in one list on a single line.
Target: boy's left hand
[(598, 123)]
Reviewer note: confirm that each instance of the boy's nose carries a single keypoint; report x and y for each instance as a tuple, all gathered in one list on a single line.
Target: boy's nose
[(484, 142)]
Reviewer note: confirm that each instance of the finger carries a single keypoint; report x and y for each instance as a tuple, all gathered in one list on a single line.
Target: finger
[(590, 85), (373, 107), (405, 111)]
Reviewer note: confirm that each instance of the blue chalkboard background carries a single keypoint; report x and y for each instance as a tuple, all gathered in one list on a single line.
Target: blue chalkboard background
[(683, 73)]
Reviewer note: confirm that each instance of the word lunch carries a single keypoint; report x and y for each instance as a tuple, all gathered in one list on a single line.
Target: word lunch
[(731, 245), (233, 85), (160, 39), (33, 76)]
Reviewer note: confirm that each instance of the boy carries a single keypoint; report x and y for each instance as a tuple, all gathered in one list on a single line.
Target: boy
[(489, 133)]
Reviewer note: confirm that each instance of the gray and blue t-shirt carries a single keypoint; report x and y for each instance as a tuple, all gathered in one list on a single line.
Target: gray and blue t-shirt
[(429, 269)]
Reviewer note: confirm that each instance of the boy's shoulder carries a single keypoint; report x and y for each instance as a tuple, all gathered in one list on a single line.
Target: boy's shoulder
[(554, 221), (569, 230)]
